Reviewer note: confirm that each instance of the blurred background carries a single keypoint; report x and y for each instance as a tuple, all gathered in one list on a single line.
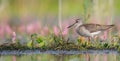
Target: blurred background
[(21, 18), (25, 17)]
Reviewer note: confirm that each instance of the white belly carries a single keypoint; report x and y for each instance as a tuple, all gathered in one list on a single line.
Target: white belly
[(95, 33), (84, 32)]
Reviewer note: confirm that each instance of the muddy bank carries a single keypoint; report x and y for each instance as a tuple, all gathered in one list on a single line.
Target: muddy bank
[(56, 52)]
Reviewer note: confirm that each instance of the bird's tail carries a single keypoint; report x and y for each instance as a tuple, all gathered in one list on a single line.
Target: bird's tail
[(105, 27), (112, 25)]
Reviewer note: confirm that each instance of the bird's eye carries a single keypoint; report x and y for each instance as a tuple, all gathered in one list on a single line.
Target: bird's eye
[(77, 20)]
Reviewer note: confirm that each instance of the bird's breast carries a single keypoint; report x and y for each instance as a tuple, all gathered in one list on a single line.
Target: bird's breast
[(83, 32)]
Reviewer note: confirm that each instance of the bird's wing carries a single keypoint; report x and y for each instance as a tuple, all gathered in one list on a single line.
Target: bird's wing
[(92, 27), (96, 27)]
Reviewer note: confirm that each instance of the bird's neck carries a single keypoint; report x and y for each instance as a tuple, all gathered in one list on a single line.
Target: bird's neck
[(78, 25)]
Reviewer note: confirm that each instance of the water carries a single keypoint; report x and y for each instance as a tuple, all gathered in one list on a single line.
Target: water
[(37, 55)]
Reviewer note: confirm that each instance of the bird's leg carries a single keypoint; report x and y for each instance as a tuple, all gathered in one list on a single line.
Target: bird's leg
[(95, 39), (88, 40), (81, 39)]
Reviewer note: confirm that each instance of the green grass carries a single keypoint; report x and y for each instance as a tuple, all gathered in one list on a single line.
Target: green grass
[(53, 42)]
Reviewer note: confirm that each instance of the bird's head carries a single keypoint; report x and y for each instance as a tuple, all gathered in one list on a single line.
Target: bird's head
[(77, 23)]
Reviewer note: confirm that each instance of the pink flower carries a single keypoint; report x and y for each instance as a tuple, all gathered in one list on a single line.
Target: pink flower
[(22, 29), (64, 26), (13, 58), (64, 32), (30, 28), (33, 27), (105, 58), (37, 26), (104, 37), (44, 31), (55, 30), (96, 58), (13, 37), (5, 29), (8, 29)]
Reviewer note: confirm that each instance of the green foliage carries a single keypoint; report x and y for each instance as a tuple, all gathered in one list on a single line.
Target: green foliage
[(39, 40), (53, 42), (33, 35), (105, 45), (29, 44)]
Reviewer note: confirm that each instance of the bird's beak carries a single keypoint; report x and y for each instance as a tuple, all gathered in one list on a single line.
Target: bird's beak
[(76, 21), (71, 25)]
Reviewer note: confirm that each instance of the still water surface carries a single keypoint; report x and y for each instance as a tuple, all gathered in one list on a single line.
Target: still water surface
[(111, 56)]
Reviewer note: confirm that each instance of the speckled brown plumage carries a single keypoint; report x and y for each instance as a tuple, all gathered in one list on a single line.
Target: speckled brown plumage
[(96, 27)]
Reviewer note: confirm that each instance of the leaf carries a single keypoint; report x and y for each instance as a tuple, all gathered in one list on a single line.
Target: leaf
[(106, 45), (33, 35), (41, 44), (39, 40), (29, 44)]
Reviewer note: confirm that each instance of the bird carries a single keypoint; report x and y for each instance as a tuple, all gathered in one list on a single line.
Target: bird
[(89, 30)]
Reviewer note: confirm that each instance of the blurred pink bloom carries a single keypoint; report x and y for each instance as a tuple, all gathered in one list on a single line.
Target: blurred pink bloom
[(44, 31), (13, 58), (13, 37), (65, 29), (30, 28), (33, 27), (105, 57), (37, 26), (5, 29), (96, 58), (55, 30), (64, 32), (8, 29), (104, 37), (22, 29)]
